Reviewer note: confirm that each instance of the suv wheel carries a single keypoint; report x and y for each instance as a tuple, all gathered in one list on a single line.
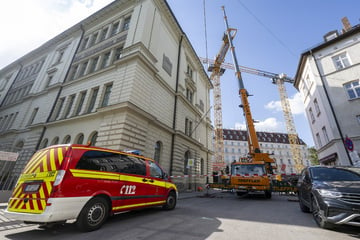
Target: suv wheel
[(318, 215), (303, 207), (93, 215)]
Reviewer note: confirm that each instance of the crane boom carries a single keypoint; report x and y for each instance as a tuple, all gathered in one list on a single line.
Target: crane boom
[(255, 153)]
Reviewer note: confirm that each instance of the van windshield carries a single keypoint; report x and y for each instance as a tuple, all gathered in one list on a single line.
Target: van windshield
[(250, 169)]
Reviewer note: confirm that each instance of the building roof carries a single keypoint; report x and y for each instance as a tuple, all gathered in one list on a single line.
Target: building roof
[(270, 137), (354, 30)]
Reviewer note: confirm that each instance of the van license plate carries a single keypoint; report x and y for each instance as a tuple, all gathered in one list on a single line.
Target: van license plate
[(32, 187)]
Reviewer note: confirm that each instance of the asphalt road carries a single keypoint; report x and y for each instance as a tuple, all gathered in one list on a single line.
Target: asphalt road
[(222, 216)]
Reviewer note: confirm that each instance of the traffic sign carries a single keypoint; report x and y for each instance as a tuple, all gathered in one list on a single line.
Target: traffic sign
[(349, 144)]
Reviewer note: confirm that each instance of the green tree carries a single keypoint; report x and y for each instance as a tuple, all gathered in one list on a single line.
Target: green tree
[(313, 156)]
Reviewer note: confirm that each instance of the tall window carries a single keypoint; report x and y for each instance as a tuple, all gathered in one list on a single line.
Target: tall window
[(60, 56), (188, 127), (103, 33), (92, 100), (80, 103), (341, 61), (106, 60), (318, 139), (93, 65), (107, 93), (353, 89), (186, 162), (157, 152), (73, 72), (317, 108), (59, 107), (326, 137), (85, 43), (49, 79), (69, 106), (118, 52), (83, 68), (115, 28), (126, 24), (93, 39), (189, 94), (189, 71), (311, 115), (33, 115), (202, 166)]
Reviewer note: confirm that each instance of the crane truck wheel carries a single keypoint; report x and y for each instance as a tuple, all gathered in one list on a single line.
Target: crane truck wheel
[(268, 194)]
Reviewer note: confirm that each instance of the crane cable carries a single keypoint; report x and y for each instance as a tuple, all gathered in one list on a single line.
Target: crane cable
[(267, 29)]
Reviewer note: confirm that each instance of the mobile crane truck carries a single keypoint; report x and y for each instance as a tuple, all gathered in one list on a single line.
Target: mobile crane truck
[(255, 173)]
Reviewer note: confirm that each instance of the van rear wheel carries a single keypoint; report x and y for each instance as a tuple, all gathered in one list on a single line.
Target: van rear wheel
[(93, 214)]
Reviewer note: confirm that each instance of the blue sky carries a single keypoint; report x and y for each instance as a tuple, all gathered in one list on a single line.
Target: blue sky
[(271, 35)]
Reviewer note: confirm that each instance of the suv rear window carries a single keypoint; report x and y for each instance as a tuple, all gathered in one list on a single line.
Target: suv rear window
[(111, 162), (334, 174)]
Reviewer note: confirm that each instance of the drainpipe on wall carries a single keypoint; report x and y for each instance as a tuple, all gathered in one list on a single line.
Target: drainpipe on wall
[(331, 107), (60, 90), (175, 107)]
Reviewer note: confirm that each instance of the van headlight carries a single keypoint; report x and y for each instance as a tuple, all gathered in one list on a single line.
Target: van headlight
[(329, 194)]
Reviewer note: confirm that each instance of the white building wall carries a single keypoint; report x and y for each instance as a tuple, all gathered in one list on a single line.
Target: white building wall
[(319, 72)]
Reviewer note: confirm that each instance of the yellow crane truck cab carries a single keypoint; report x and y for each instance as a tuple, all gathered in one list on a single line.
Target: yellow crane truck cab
[(250, 177)]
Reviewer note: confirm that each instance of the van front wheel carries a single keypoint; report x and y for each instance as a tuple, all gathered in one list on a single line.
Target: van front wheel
[(93, 215), (170, 201)]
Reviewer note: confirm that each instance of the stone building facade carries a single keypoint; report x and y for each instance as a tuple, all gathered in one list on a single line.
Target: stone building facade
[(125, 78)]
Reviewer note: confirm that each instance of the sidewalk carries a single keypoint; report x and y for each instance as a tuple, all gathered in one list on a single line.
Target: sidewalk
[(193, 194)]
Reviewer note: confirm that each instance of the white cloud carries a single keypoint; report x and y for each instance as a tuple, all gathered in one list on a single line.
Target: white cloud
[(296, 105), (27, 27), (268, 125)]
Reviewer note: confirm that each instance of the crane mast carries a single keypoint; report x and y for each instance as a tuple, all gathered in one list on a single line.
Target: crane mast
[(217, 71)]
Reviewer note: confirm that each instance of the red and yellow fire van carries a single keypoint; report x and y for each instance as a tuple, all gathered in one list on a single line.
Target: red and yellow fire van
[(87, 184)]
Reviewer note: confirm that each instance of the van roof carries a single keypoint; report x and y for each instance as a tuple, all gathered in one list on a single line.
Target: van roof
[(72, 145)]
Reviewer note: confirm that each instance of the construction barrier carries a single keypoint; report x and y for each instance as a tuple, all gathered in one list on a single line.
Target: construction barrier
[(287, 184)]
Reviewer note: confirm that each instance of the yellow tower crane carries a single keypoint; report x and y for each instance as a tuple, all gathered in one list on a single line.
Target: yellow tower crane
[(217, 71)]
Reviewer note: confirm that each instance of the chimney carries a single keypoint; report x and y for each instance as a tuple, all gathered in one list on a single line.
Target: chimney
[(346, 24)]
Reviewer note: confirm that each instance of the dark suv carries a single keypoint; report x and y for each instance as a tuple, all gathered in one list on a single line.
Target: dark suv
[(331, 194)]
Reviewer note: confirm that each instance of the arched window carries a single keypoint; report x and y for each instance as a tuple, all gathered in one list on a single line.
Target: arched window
[(44, 143), (19, 145), (79, 139), (186, 161), (67, 139), (93, 138), (157, 154), (55, 141)]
